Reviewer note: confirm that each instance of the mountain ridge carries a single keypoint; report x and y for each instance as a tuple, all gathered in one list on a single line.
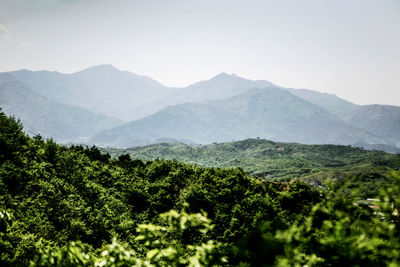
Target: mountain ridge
[(42, 116), (267, 159), (100, 89), (269, 113), (381, 120)]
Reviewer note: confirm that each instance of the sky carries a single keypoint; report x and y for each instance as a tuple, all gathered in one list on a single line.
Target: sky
[(350, 48)]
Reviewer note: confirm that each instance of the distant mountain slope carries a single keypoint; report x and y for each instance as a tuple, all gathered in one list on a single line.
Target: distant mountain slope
[(52, 85), (101, 89), (221, 86), (381, 120), (106, 90), (269, 113), (224, 86), (329, 102), (48, 118)]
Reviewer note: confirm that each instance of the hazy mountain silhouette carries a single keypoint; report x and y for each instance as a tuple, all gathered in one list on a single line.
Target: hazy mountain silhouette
[(269, 113), (329, 102), (101, 89), (380, 120), (106, 90), (223, 86), (43, 116), (225, 107)]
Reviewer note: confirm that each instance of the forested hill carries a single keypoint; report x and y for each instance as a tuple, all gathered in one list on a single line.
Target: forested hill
[(271, 159), (74, 206)]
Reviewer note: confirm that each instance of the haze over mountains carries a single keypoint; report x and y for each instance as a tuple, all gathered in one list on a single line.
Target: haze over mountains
[(108, 107), (269, 113), (101, 89), (41, 115)]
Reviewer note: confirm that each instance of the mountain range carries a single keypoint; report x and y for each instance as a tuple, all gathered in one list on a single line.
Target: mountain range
[(41, 115), (105, 106), (100, 89), (269, 113)]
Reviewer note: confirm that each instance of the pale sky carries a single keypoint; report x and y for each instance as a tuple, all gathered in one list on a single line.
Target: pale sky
[(347, 47)]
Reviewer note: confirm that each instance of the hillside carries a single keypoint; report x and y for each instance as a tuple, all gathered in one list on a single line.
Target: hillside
[(101, 89), (380, 120), (55, 197), (42, 116), (329, 102), (223, 86), (268, 113), (273, 160), (69, 206)]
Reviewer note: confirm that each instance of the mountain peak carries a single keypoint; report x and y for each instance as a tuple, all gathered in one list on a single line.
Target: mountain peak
[(102, 67), (224, 75)]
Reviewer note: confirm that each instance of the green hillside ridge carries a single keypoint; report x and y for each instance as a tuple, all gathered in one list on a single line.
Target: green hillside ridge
[(74, 206), (53, 197), (273, 160)]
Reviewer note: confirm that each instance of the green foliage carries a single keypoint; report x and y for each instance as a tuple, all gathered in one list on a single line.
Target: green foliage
[(60, 195), (71, 206), (390, 201), (164, 245), (74, 254), (335, 232), (12, 139), (282, 161), (181, 240)]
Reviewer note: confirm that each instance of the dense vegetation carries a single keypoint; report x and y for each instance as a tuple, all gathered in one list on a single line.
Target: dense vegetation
[(76, 206), (280, 161)]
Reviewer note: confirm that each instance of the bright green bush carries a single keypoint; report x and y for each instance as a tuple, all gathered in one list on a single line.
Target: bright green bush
[(169, 244)]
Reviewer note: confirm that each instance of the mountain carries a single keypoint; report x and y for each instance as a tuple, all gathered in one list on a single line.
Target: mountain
[(269, 113), (380, 120), (106, 90), (222, 108), (221, 86), (225, 85), (43, 116), (329, 102), (100, 89)]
